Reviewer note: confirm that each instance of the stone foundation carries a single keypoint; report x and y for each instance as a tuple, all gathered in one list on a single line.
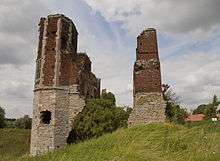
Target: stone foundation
[(148, 108)]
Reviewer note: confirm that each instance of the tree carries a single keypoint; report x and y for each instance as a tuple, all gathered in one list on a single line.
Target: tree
[(201, 109), (99, 116), (2, 118), (215, 101), (173, 111), (211, 109), (108, 96), (23, 123), (10, 122)]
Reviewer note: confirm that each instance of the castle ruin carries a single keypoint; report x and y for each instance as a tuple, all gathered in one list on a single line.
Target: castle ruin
[(63, 82), (149, 105)]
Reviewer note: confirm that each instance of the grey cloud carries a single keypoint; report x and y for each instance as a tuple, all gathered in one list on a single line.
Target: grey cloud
[(16, 85), (19, 19), (20, 91), (112, 59), (167, 15), (187, 16), (16, 55), (18, 31), (195, 77)]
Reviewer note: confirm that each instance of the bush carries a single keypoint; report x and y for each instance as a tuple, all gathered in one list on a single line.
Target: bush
[(209, 110), (99, 116), (174, 113), (10, 122), (2, 118), (108, 96), (23, 123)]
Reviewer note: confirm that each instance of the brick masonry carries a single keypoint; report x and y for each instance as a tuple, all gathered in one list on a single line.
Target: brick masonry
[(149, 105), (63, 82)]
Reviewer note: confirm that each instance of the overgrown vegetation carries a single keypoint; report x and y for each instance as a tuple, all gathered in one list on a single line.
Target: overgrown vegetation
[(209, 110), (153, 142), (174, 112), (108, 96), (14, 143), (2, 118), (99, 116), (23, 123)]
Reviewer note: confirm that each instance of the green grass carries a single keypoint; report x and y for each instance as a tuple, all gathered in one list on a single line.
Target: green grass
[(14, 143), (155, 142)]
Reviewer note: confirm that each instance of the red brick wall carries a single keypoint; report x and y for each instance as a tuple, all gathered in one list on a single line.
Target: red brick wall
[(89, 85), (68, 55), (147, 42), (147, 76), (74, 41), (74, 68), (49, 64)]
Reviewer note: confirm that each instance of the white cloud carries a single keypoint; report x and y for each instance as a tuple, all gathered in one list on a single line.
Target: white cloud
[(18, 39), (194, 74), (195, 77), (18, 52), (112, 62), (165, 15), (16, 85), (191, 25)]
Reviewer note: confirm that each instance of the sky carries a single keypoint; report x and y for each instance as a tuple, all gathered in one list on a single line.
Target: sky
[(188, 38)]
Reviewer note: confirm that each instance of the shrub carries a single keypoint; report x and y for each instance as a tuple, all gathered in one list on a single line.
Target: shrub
[(23, 123), (99, 116), (2, 118)]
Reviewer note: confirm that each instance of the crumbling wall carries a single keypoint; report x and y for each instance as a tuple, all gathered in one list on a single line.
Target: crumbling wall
[(49, 136), (149, 105), (50, 52), (89, 85), (148, 108), (147, 76), (63, 81)]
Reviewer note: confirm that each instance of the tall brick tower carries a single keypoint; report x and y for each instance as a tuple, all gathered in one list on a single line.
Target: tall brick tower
[(149, 105), (62, 83)]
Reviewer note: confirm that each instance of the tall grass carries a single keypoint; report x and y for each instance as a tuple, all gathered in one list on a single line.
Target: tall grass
[(155, 142), (14, 143)]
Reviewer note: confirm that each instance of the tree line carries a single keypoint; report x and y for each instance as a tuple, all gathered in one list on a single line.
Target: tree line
[(177, 114), (21, 123), (209, 110)]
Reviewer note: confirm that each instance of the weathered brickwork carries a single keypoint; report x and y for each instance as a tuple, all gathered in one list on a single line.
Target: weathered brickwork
[(63, 81), (149, 105), (85, 88), (39, 52)]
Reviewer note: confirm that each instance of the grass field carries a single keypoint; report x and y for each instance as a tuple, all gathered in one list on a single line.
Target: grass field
[(155, 142), (14, 143)]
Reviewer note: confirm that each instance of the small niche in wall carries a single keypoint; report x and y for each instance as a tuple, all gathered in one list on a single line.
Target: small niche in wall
[(45, 117)]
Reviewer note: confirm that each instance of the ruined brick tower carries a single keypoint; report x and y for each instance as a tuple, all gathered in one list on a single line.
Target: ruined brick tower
[(149, 105), (62, 83)]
